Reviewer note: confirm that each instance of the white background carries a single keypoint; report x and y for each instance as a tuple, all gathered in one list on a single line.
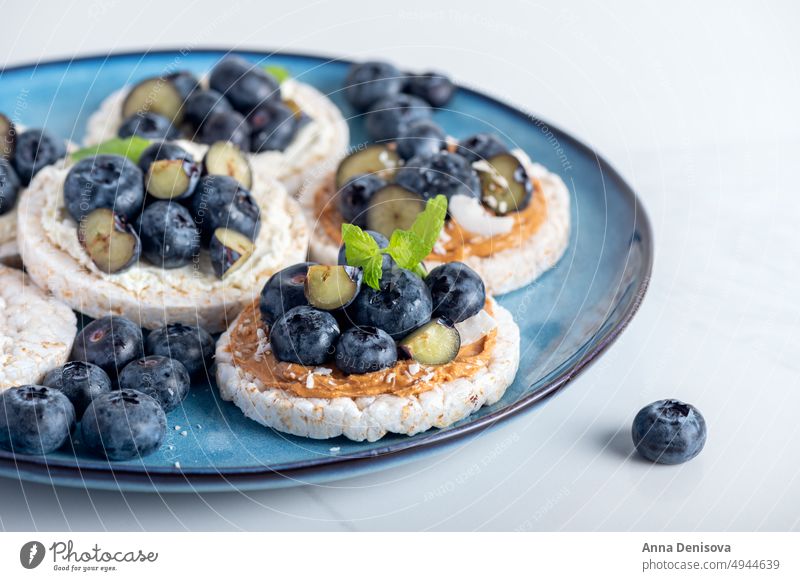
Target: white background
[(697, 105)]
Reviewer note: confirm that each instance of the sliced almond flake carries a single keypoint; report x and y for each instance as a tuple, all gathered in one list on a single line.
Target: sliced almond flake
[(322, 371), (413, 368), (390, 377), (310, 381)]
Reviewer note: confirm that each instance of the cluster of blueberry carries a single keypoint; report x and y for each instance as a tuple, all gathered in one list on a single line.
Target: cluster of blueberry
[(120, 395), (22, 155), (242, 105), (165, 208), (383, 186), (318, 313)]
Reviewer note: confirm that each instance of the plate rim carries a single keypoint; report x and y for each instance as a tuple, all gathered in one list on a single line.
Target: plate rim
[(200, 479)]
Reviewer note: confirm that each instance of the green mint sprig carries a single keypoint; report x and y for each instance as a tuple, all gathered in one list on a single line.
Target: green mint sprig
[(130, 147), (408, 248)]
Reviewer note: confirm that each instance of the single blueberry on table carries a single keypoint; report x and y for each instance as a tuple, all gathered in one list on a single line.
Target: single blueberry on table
[(304, 335), (364, 350), (392, 116), (192, 346), (283, 291), (34, 419), (169, 236), (457, 291), (165, 380), (123, 424), (371, 81), (80, 381), (669, 431), (148, 125), (35, 149), (110, 343), (104, 181)]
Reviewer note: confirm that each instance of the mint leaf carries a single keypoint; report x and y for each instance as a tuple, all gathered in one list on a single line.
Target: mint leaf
[(428, 225), (408, 248), (362, 250), (404, 247), (373, 271), (130, 147), (280, 73)]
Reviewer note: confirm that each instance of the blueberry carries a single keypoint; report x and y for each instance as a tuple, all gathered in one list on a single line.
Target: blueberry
[(170, 172), (669, 431), (283, 291), (304, 335), (481, 146), (165, 380), (365, 349), (371, 81), (222, 202), (355, 196), (123, 424), (225, 126), (272, 127), (443, 173), (192, 346), (110, 343), (80, 381), (148, 125), (104, 181), (402, 304), (422, 138), (435, 88), (391, 116), (168, 234), (35, 149), (245, 85), (202, 105), (162, 150), (9, 186), (34, 419), (185, 82), (457, 291)]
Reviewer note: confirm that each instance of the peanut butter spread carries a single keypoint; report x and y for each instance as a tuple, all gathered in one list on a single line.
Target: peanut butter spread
[(459, 243), (251, 352)]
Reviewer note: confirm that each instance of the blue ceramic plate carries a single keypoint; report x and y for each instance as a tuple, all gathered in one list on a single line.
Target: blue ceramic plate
[(567, 318)]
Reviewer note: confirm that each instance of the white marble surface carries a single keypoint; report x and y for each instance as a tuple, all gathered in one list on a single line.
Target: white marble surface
[(697, 107)]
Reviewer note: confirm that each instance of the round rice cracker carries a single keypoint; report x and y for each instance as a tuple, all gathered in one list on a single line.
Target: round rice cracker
[(501, 272), (299, 163), (371, 418), (87, 290), (36, 330)]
